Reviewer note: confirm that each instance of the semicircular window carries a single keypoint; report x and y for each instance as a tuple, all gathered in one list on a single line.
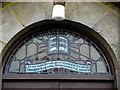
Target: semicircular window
[(58, 51)]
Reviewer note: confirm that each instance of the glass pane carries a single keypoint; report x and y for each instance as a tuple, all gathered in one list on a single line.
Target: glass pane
[(36, 40), (14, 67), (21, 53), (93, 68), (31, 49), (94, 54), (101, 68), (79, 41), (84, 50)]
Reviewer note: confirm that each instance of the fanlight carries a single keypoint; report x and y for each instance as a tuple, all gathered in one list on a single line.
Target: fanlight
[(57, 51)]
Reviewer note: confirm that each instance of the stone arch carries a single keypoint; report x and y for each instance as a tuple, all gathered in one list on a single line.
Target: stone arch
[(66, 24)]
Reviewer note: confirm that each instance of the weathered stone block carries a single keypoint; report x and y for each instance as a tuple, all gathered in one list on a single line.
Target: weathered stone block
[(29, 12), (107, 27), (69, 8), (10, 25), (48, 8), (88, 13)]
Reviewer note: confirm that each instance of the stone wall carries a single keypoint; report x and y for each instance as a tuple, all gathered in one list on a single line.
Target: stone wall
[(102, 17)]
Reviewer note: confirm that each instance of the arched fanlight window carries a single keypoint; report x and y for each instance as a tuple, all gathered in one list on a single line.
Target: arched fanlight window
[(57, 51), (49, 54)]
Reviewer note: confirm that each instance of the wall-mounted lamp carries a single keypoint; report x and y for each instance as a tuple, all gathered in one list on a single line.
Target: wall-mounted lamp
[(58, 13)]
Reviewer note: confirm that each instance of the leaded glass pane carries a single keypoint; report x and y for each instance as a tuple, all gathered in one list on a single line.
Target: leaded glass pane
[(21, 53), (31, 49), (84, 50), (94, 55)]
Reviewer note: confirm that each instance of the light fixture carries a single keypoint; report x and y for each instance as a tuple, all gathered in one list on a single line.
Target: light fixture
[(58, 13)]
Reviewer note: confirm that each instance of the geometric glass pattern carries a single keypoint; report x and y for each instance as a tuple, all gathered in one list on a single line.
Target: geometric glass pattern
[(57, 51)]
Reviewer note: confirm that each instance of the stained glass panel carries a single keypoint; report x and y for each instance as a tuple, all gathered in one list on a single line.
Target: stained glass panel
[(58, 51)]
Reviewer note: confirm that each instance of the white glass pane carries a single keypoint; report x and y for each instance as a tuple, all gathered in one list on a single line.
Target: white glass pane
[(74, 55), (31, 49), (21, 53), (80, 41), (83, 57), (35, 40), (14, 67), (42, 56), (94, 54), (84, 50), (93, 68), (101, 67)]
